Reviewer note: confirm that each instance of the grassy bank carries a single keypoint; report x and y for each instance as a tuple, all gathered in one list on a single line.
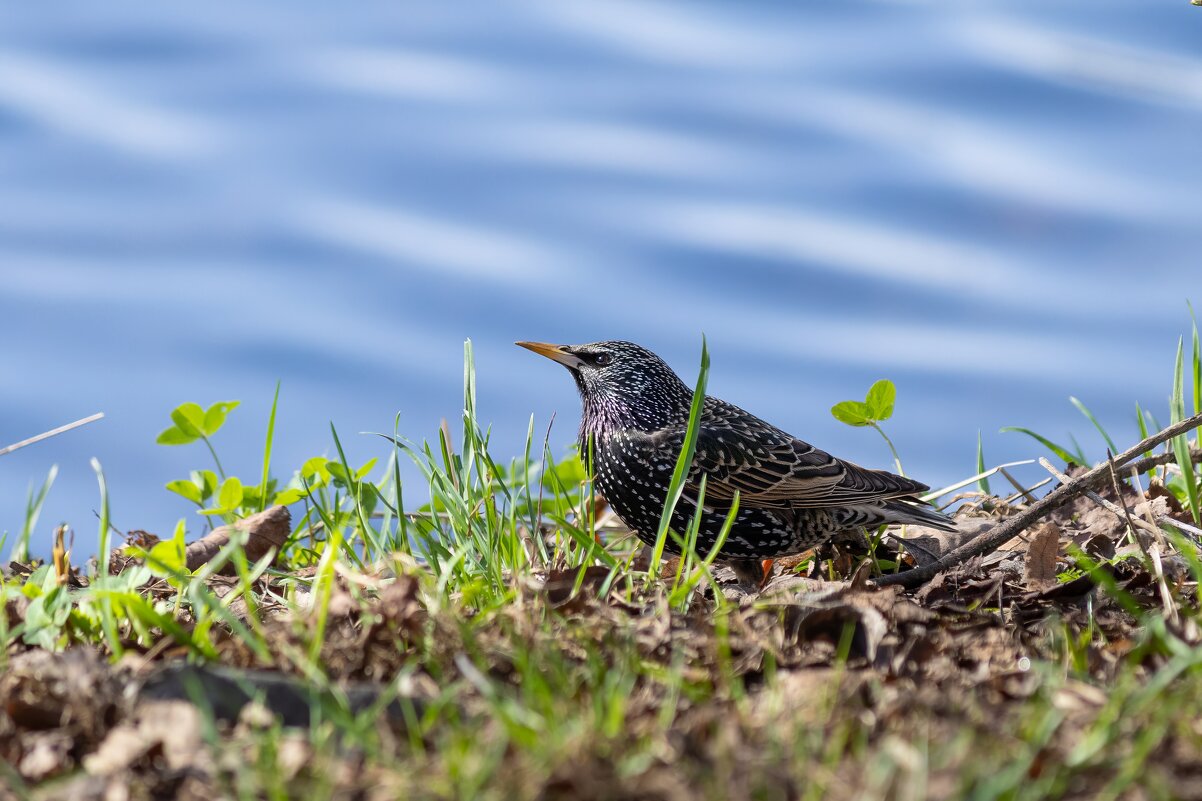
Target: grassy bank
[(508, 639)]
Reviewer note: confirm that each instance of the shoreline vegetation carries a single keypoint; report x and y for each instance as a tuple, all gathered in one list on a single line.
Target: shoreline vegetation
[(510, 639)]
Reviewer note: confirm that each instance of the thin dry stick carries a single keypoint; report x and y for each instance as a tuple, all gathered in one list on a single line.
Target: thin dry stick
[(54, 432), (1145, 526), (1009, 528), (1113, 508), (1185, 528), (1150, 525), (1026, 493), (1151, 549), (1159, 459), (1143, 504)]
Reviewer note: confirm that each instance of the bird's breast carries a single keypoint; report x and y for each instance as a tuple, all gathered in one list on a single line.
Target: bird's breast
[(634, 486)]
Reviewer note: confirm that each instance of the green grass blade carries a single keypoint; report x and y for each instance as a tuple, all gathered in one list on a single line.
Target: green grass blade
[(680, 595), (1181, 442), (585, 541), (322, 589), (469, 391), (107, 620), (102, 556), (1197, 360), (1078, 451), (591, 501), (688, 547), (683, 462), (371, 539), (33, 510), (1081, 407), (567, 496), (267, 448), (1141, 420), (402, 520), (983, 484), (526, 495), (1059, 450)]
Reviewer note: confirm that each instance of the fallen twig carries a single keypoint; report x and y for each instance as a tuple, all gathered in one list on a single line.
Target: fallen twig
[(54, 432), (1009, 528), (939, 493)]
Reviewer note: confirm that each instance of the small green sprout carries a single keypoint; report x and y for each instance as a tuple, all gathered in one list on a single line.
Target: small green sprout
[(876, 407), (191, 423)]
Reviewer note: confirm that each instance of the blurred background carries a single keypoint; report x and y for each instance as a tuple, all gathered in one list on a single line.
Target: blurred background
[(996, 206)]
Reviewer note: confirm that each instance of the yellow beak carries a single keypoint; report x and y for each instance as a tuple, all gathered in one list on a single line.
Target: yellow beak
[(557, 353)]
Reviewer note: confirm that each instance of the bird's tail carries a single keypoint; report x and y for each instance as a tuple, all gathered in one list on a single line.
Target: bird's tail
[(895, 510), (917, 513)]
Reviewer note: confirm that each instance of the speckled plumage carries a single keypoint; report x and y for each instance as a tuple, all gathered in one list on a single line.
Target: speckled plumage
[(792, 496)]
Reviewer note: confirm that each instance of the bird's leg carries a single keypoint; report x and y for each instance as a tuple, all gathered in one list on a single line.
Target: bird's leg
[(600, 506), (767, 567)]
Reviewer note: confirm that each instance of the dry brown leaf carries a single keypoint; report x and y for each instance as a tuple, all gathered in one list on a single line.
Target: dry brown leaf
[(47, 753), (40, 690), (559, 586), (869, 626), (827, 613), (265, 531), (61, 556), (929, 545), (171, 729), (1040, 570), (399, 610)]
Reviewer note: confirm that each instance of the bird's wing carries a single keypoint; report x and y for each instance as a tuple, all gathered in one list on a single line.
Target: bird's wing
[(771, 469)]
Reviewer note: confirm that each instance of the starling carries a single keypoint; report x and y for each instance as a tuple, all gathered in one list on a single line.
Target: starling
[(792, 496)]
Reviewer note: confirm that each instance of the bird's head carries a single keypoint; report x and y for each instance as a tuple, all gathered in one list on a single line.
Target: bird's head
[(622, 382)]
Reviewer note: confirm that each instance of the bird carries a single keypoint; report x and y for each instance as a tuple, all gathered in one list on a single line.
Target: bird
[(792, 496)]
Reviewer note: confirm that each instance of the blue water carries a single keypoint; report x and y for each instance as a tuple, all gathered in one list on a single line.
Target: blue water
[(996, 206)]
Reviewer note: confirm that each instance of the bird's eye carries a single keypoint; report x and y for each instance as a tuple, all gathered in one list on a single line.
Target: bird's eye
[(602, 359)]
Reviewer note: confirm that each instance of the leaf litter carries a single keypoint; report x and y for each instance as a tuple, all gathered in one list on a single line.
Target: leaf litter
[(1039, 653)]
